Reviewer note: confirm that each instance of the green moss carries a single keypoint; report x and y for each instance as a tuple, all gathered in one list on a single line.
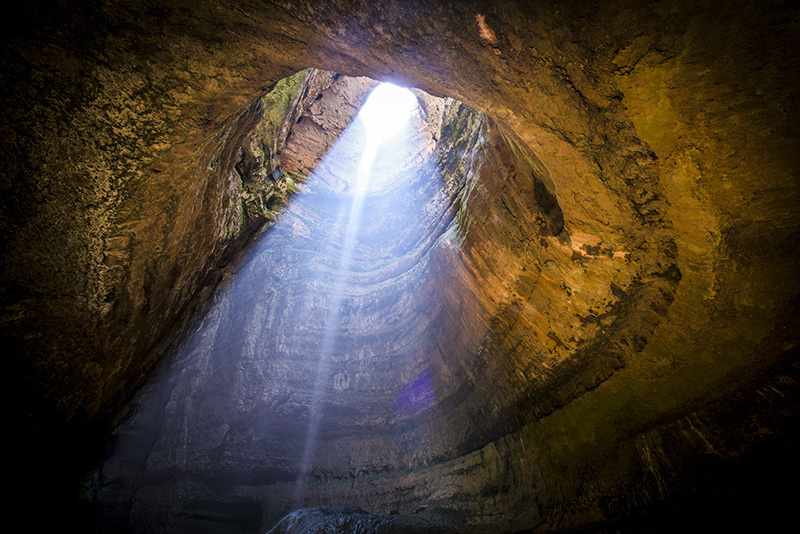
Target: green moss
[(265, 196), (463, 221), (277, 104)]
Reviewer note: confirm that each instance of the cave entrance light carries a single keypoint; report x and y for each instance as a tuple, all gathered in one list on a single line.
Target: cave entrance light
[(385, 113), (335, 284), (387, 109)]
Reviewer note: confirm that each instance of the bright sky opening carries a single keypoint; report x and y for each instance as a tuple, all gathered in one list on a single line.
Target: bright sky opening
[(387, 109)]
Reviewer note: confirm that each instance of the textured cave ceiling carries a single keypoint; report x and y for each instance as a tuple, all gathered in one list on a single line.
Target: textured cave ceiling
[(612, 341)]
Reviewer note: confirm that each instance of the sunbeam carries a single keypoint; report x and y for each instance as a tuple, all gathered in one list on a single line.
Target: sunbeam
[(385, 113), (325, 301)]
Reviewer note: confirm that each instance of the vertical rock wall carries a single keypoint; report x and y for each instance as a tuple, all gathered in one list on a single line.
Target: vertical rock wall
[(666, 132)]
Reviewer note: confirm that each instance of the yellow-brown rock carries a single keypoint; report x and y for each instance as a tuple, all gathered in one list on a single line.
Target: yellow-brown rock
[(619, 324)]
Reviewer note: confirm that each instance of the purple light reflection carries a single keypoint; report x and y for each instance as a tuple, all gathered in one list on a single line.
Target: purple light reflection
[(416, 395)]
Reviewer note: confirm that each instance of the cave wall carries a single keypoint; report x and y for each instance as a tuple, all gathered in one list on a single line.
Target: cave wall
[(228, 418), (667, 133)]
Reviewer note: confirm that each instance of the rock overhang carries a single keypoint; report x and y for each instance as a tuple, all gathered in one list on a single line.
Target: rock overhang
[(620, 149)]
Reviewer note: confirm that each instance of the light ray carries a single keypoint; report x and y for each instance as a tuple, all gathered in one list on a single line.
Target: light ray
[(386, 111)]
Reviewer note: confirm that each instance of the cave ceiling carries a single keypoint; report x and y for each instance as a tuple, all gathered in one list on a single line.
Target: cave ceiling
[(595, 275)]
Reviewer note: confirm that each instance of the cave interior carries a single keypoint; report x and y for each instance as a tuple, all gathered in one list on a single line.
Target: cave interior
[(401, 266)]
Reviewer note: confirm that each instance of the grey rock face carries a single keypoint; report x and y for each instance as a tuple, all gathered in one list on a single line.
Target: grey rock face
[(352, 520), (319, 362), (614, 328)]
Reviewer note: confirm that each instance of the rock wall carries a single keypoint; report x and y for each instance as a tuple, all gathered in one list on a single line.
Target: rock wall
[(646, 344)]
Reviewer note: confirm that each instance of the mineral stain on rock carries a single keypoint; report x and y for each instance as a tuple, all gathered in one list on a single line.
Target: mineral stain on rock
[(571, 305)]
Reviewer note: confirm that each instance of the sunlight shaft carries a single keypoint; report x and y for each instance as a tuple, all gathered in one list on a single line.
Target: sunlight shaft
[(386, 111)]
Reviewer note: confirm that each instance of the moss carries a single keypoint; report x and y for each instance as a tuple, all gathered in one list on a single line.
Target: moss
[(277, 105), (463, 220), (261, 195)]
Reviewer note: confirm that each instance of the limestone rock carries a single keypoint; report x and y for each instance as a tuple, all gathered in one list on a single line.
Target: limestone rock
[(620, 330), (351, 520)]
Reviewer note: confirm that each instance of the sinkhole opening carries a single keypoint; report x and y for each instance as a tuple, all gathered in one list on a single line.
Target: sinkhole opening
[(342, 349), (387, 109)]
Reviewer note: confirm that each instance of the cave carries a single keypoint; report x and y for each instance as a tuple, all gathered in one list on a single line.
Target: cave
[(558, 294)]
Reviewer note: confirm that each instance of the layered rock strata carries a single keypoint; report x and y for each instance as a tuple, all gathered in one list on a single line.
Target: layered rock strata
[(647, 344)]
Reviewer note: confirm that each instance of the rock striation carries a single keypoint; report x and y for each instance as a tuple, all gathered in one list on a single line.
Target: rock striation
[(614, 318), (349, 519), (320, 362)]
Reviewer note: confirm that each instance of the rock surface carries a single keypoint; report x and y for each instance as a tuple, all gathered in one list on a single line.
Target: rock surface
[(351, 520), (317, 363), (628, 333)]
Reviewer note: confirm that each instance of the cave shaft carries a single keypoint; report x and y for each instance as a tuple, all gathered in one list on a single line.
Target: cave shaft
[(607, 306)]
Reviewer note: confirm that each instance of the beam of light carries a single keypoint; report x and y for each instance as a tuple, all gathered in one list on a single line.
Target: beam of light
[(386, 111), (256, 375)]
